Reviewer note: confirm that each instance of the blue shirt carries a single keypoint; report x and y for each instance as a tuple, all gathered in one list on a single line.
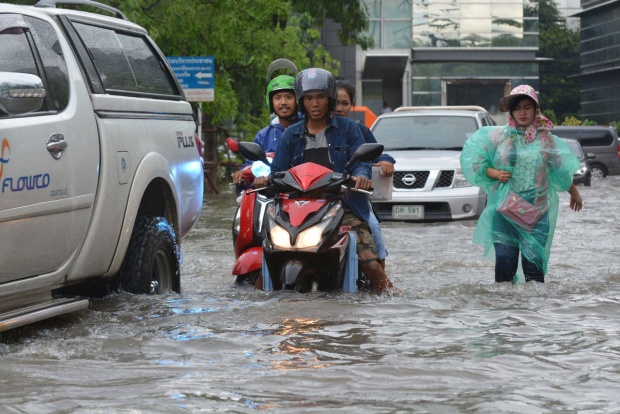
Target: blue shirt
[(269, 136), (343, 138)]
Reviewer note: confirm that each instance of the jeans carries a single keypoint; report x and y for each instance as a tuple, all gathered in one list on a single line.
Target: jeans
[(377, 236), (507, 255), (507, 261)]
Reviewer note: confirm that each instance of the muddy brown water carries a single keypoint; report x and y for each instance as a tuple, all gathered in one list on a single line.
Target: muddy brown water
[(453, 342)]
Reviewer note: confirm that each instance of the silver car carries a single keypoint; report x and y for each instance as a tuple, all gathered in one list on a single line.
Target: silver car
[(427, 143)]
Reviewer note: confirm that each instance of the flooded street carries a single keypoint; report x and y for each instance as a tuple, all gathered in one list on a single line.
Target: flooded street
[(453, 342)]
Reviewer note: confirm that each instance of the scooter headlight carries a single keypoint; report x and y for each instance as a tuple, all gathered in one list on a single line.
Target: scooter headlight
[(311, 237), (280, 237)]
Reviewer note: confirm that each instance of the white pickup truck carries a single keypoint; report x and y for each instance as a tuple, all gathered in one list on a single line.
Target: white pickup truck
[(101, 171)]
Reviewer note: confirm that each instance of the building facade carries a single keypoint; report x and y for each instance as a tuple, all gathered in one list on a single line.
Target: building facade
[(442, 52), (600, 60)]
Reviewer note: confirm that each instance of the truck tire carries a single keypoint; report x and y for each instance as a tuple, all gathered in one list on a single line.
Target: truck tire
[(151, 264)]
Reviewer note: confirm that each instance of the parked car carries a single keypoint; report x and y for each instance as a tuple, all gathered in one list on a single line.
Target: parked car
[(426, 142), (101, 173), (583, 175), (601, 141)]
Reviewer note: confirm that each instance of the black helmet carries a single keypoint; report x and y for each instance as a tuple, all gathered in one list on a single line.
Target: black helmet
[(315, 80)]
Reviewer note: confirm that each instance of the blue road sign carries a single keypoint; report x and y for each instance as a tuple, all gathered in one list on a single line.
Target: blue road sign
[(196, 76)]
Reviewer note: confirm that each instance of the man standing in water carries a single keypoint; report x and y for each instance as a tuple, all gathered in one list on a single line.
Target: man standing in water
[(330, 141)]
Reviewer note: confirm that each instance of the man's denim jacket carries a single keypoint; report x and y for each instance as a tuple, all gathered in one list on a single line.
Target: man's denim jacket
[(343, 137)]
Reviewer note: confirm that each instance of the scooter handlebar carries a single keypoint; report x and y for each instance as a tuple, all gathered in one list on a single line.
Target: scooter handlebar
[(359, 190)]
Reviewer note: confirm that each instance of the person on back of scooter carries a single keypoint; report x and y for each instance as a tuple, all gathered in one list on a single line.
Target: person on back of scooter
[(344, 103), (330, 141), (280, 98)]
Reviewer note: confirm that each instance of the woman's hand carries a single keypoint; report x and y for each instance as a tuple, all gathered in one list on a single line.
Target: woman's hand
[(576, 202), (500, 175)]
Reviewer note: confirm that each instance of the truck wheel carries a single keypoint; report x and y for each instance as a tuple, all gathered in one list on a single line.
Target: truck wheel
[(151, 264)]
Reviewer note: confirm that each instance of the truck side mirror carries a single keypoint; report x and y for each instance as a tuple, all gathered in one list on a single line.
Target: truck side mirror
[(20, 93)]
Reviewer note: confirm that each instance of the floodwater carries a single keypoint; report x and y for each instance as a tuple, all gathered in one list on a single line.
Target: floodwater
[(453, 342)]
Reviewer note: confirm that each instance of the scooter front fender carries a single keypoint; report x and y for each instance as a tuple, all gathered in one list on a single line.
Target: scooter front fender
[(290, 272), (249, 261)]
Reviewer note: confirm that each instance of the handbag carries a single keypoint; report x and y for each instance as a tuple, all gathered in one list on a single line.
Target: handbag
[(519, 211)]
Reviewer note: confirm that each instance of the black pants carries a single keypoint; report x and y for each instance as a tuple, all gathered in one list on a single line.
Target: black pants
[(507, 255)]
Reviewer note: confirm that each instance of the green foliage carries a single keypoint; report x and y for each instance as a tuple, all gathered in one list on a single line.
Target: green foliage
[(351, 14), (551, 116), (615, 124), (244, 36), (571, 121), (587, 122)]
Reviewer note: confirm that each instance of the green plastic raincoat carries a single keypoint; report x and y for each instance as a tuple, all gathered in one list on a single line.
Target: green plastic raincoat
[(539, 170)]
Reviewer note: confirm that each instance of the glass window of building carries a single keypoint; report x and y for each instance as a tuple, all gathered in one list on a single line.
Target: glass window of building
[(390, 23), (474, 23)]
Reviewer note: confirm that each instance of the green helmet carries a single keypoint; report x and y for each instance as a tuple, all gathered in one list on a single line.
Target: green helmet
[(277, 84)]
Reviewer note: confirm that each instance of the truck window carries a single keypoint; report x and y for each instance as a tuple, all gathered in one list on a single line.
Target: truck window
[(15, 53), (125, 62), (53, 63), (17, 56)]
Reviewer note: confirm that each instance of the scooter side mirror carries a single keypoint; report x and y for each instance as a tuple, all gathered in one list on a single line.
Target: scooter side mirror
[(365, 152), (233, 144), (253, 152)]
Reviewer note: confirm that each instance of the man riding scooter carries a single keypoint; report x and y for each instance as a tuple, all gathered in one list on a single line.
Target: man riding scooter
[(247, 239), (330, 141), (280, 99)]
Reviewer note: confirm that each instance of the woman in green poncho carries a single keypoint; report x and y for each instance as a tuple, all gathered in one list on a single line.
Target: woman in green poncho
[(521, 167)]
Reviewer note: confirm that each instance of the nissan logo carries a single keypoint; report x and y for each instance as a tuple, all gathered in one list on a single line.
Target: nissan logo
[(408, 179)]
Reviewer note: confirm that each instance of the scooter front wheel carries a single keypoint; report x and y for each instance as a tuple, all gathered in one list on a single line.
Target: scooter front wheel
[(248, 279)]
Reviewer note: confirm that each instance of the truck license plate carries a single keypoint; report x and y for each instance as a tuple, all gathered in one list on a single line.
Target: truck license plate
[(408, 212)]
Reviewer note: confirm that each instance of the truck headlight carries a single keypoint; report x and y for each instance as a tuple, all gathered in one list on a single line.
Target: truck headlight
[(459, 179)]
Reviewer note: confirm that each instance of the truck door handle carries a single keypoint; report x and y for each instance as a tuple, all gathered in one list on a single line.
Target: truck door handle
[(56, 144)]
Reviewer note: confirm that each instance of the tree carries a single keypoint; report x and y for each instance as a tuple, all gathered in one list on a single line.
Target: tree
[(351, 14), (245, 36), (559, 84), (244, 44)]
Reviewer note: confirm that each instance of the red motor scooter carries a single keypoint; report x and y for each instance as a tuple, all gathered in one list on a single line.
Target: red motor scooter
[(305, 246), (248, 223)]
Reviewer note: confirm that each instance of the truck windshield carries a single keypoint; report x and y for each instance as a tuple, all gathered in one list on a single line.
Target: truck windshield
[(424, 132)]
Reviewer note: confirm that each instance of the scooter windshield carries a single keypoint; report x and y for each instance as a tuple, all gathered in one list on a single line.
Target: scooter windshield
[(260, 169)]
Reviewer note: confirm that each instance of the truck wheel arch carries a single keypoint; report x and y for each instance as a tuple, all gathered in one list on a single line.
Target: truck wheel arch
[(152, 193)]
